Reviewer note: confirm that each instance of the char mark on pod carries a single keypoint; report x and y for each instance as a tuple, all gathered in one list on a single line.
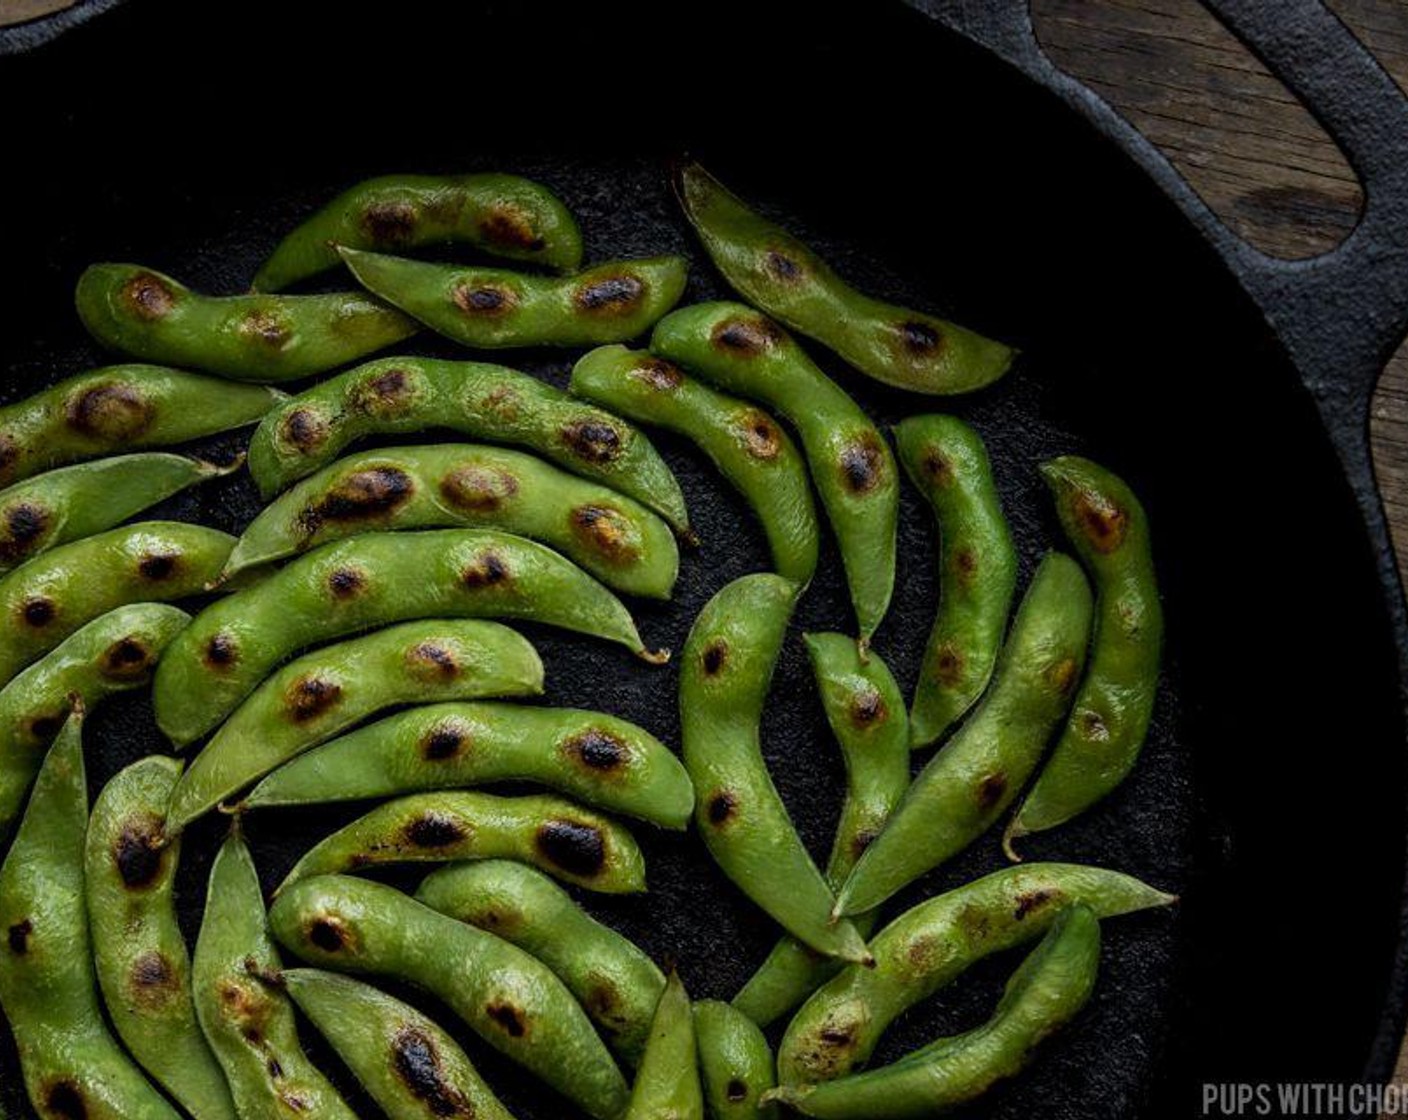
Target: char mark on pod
[(433, 829), (221, 651), (17, 937), (598, 750), (485, 301), (389, 224), (138, 851), (304, 429), (746, 337), (736, 1090), (126, 659), (593, 439), (310, 697), (45, 728), (761, 438), (714, 657), (488, 569), (722, 807), (384, 393), (25, 523), (921, 339), (990, 790), (362, 496), (509, 228), (328, 934), (965, 565), (38, 611), (478, 489), (432, 660), (508, 1017), (862, 464), (265, 326), (1031, 901), (574, 846), (148, 296), (346, 582), (659, 374), (9, 454), (152, 980), (604, 530), (611, 294), (418, 1065), (867, 708), (443, 742), (64, 1100), (937, 467), (159, 566), (781, 267), (862, 840), (1102, 522), (1062, 675), (948, 665)]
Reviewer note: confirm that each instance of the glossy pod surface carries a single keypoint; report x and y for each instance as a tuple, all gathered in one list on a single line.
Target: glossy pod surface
[(735, 1062), (248, 338), (667, 1083)]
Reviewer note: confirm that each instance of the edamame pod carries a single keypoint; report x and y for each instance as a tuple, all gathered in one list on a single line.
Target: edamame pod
[(313, 698), (369, 581), (927, 947), (1043, 995), (592, 757), (727, 668), (565, 840), (113, 653), (745, 352), (621, 543), (735, 1062), (493, 308), (408, 1064), (80, 501), (120, 408), (1110, 718), (508, 998), (743, 442), (865, 709), (946, 461), (776, 272), (143, 968), (501, 214), (667, 1083), (247, 338), (615, 982), (247, 1018), (968, 785), (54, 595), (72, 1066)]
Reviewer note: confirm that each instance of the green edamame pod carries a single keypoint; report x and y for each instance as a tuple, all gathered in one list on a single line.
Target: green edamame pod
[(368, 581), (743, 442), (593, 757), (620, 542), (506, 997), (775, 271), (968, 785), (261, 338), (80, 501), (735, 1062), (247, 1018), (1110, 717), (120, 408), (408, 1064), (1043, 995), (667, 1083), (865, 709), (564, 839), (744, 352), (727, 668), (54, 595), (113, 653), (494, 308), (927, 947), (947, 462), (615, 982), (72, 1066), (144, 970), (501, 214), (314, 697)]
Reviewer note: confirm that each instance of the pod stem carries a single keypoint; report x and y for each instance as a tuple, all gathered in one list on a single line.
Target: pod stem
[(654, 657), (1014, 831)]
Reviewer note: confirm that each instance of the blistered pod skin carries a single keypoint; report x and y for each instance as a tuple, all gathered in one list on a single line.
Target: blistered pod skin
[(56, 594), (615, 982), (1043, 995), (407, 1063), (117, 409), (947, 462), (735, 1062), (494, 308), (592, 757), (747, 445), (620, 542), (776, 272), (1110, 717), (505, 215), (314, 697), (260, 338), (968, 785), (745, 352), (144, 970), (508, 998), (72, 1066), (667, 1083), (368, 581), (927, 947), (725, 672), (247, 1019)]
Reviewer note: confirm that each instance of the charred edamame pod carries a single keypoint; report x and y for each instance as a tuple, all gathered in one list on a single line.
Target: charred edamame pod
[(590, 756), (743, 442), (745, 352), (505, 215), (494, 308), (969, 784), (620, 542), (508, 998), (667, 1083), (735, 1062), (314, 697), (775, 271), (1110, 717), (368, 581), (727, 668), (261, 338), (947, 462)]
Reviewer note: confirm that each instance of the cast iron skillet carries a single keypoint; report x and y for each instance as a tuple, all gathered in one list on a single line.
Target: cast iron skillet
[(1271, 792)]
